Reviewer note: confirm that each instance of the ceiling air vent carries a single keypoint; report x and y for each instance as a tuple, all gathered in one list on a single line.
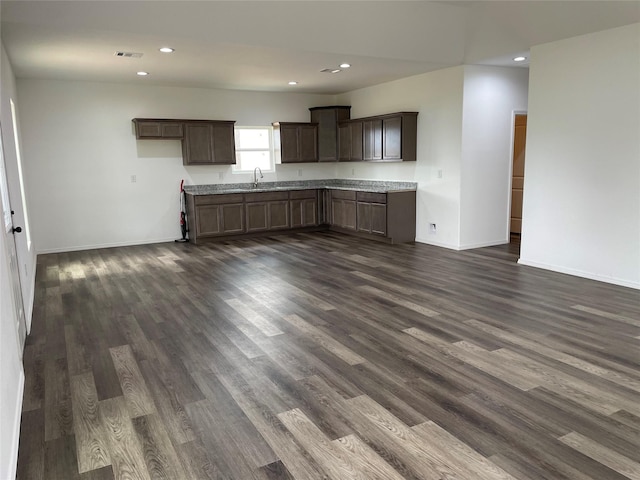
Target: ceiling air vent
[(128, 54), (330, 70)]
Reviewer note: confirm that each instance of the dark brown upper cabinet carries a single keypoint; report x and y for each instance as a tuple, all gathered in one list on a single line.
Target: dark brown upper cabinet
[(327, 119), (372, 139), (153, 128), (208, 142), (383, 138), (296, 142), (204, 142), (350, 141)]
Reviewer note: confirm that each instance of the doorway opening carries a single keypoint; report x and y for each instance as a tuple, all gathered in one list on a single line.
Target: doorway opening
[(517, 181)]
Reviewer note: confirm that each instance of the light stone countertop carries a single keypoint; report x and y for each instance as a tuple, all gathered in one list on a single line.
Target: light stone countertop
[(333, 184)]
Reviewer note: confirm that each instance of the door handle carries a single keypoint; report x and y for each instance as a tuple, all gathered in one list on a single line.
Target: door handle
[(16, 229)]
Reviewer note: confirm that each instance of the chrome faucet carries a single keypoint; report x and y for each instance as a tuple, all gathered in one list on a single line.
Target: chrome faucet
[(256, 179)]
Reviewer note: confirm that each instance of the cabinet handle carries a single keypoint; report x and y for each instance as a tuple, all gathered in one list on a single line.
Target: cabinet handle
[(16, 229)]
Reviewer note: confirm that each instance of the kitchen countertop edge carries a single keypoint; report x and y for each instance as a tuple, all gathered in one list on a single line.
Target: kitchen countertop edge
[(371, 186)]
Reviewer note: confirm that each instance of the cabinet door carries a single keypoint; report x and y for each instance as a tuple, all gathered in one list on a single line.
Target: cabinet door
[(350, 215), (278, 213), (304, 212), (309, 212), (148, 129), (337, 212), (197, 144), (344, 142), (392, 138), (364, 217), (207, 220), (297, 214), (289, 144), (172, 130), (344, 213), (224, 149), (355, 131), (257, 217), (379, 218), (308, 143), (327, 140), (372, 139), (232, 219)]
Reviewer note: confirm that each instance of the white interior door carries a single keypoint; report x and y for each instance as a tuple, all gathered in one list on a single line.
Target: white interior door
[(9, 231)]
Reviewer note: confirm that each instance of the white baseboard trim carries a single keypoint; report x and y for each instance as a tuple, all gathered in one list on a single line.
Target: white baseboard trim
[(436, 244), (580, 273), (15, 439), (77, 248), (29, 310), (461, 247), (492, 243)]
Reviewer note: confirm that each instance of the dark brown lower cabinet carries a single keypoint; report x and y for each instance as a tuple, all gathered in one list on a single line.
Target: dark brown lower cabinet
[(267, 211), (343, 209), (390, 217), (372, 218), (215, 215), (263, 216), (304, 208)]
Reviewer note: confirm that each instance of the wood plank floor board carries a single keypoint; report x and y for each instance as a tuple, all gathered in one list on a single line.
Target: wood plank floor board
[(319, 355), (60, 462), (125, 448), (90, 434), (31, 448), (331, 425), (237, 426), (104, 473), (57, 399), (34, 382), (158, 451), (168, 404), (136, 393), (212, 434)]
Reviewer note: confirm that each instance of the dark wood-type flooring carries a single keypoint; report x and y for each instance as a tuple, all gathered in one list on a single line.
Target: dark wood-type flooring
[(316, 356)]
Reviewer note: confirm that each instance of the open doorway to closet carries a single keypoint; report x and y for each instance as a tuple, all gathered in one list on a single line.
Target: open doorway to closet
[(517, 180)]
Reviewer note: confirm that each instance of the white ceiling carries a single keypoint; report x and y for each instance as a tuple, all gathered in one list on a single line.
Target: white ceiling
[(261, 45)]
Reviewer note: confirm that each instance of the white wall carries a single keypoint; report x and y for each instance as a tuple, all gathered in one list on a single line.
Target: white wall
[(437, 96), (80, 152), (11, 374), (491, 96), (581, 212)]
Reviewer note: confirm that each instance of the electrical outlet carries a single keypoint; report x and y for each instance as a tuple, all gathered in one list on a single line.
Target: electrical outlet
[(439, 173), (220, 175), (353, 172), (134, 178), (299, 172), (432, 228)]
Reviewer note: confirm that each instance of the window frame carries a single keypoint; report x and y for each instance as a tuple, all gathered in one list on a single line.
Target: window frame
[(272, 160)]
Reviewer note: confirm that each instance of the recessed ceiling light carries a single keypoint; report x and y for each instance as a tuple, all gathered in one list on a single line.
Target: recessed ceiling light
[(167, 50), (142, 74), (345, 65), (519, 59), (336, 70), (293, 83)]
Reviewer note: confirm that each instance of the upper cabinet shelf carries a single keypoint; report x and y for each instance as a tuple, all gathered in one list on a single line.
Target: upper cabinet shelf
[(204, 142)]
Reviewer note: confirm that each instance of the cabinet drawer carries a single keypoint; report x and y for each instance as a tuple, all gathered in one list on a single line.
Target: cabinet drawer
[(265, 196), (343, 194), (372, 197), (296, 194), (218, 199)]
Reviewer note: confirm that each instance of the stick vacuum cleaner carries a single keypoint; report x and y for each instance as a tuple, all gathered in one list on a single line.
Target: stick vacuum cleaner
[(183, 214)]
